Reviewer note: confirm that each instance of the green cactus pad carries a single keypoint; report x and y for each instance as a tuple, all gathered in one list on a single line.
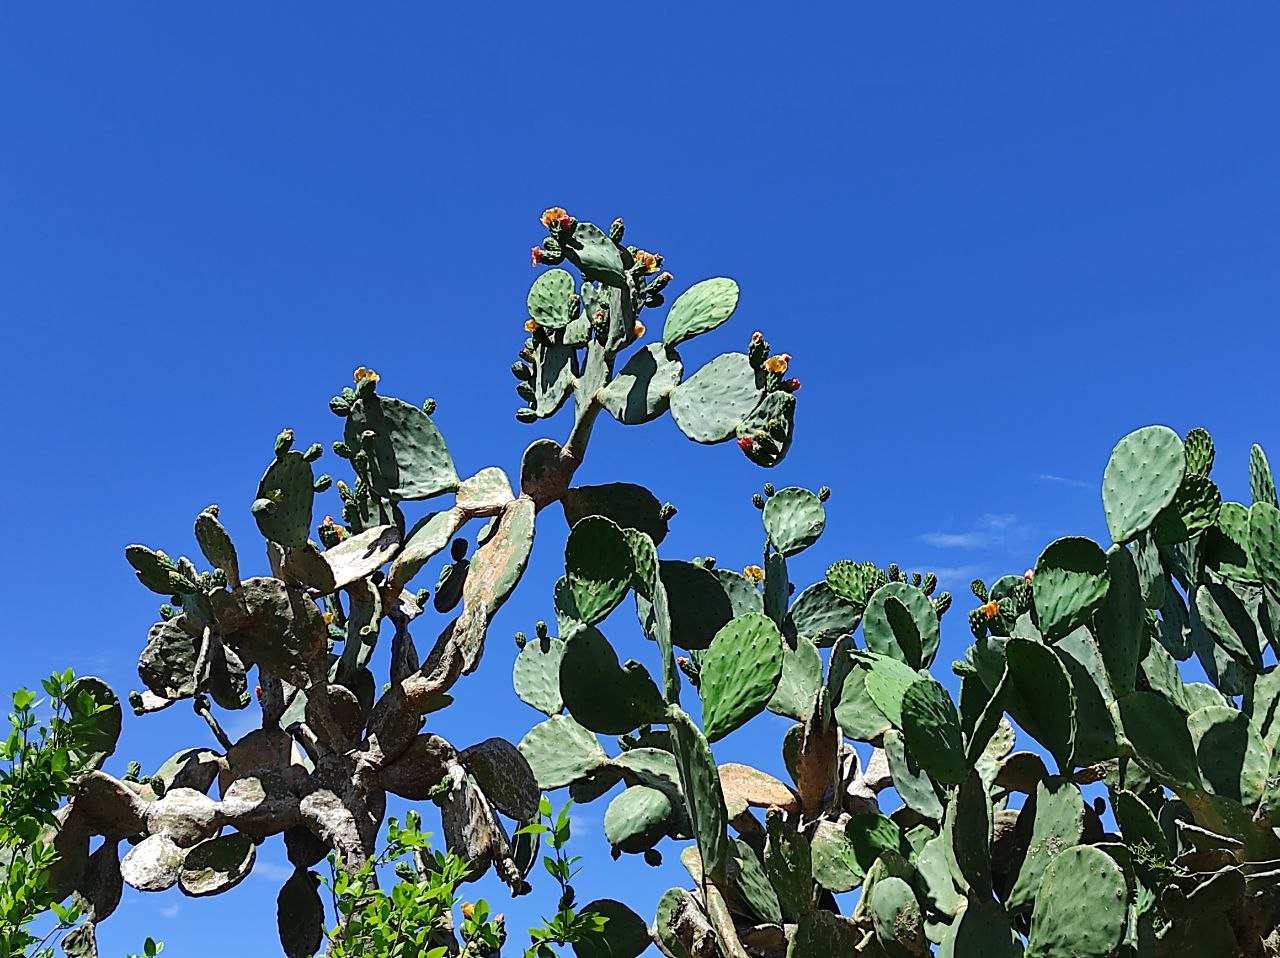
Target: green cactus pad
[(288, 488), (789, 867), (900, 622), (672, 902), (800, 681), (1199, 451), (1264, 545), (855, 710), (602, 695), (740, 673), (887, 683), (1226, 546), (626, 504), (654, 767), (624, 933), (1262, 485), (855, 582), (216, 545), (752, 884), (700, 309), (1121, 620), (835, 863), (98, 743), (1194, 509), (1080, 911), (596, 256), (896, 918), (641, 390), (168, 663), (1070, 583), (549, 299), (821, 616), (1058, 824), (1222, 614), (217, 865), (408, 459), (771, 427), (966, 833), (426, 539), (1158, 733), (931, 728), (935, 877), (1142, 477), (638, 818), (1138, 824), (910, 780), (561, 752), (536, 675), (266, 622), (709, 405), (1097, 737), (982, 929), (598, 567), (300, 915), (1232, 757), (699, 604), (553, 378), (700, 784), (821, 934), (794, 519), (1041, 698)]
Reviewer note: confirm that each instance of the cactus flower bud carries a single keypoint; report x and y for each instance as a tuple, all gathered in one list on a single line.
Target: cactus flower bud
[(531, 326), (521, 640), (323, 483), (746, 443), (754, 573), (824, 493), (757, 500), (990, 609), (768, 489), (1028, 575), (791, 385), (284, 442), (652, 857), (535, 255), (638, 329), (526, 415), (757, 338), (313, 452), (616, 229), (257, 692)]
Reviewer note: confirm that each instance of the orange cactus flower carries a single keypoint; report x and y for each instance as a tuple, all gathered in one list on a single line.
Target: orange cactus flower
[(556, 216), (778, 364), (328, 618), (647, 261), (638, 329), (361, 374), (990, 610), (467, 909), (531, 326), (754, 573)]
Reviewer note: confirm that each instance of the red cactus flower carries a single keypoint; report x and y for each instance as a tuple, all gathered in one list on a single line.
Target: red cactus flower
[(746, 443), (791, 385), (535, 254)]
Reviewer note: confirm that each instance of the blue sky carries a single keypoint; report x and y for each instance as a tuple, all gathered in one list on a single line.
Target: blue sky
[(994, 237)]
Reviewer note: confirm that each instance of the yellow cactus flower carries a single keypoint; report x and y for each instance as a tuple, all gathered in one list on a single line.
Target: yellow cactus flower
[(990, 610), (647, 261), (638, 329), (754, 573), (361, 374), (778, 364), (467, 908), (556, 216), (531, 326), (328, 618)]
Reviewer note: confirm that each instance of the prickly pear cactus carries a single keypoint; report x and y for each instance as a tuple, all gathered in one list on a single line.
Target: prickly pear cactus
[(1139, 820), (332, 738)]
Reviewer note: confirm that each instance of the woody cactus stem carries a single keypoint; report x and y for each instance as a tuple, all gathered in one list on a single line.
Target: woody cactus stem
[(329, 746)]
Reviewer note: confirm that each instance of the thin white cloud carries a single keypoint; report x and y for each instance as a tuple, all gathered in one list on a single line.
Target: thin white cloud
[(990, 530), (274, 871), (170, 911), (1063, 480)]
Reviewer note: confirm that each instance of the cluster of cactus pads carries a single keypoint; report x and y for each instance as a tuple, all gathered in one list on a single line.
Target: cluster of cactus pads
[(333, 739), (1143, 822)]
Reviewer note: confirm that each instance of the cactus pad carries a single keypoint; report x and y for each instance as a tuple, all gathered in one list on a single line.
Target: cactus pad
[(282, 507), (217, 865), (602, 695), (408, 459), (740, 673), (900, 622), (549, 299), (561, 752), (1141, 479), (931, 728), (700, 783), (641, 390), (821, 616), (537, 674), (626, 504), (710, 404), (700, 309), (1041, 697), (598, 567), (794, 519), (1070, 583), (1080, 911)]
